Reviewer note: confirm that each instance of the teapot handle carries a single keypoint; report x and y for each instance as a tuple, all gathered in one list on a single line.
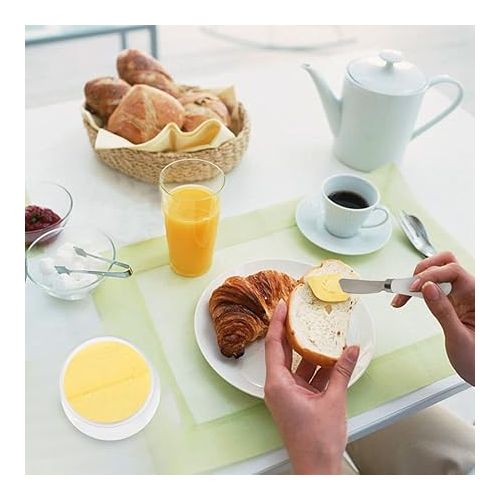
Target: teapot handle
[(435, 81)]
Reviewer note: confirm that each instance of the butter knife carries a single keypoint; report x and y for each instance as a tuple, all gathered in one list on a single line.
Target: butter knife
[(397, 285)]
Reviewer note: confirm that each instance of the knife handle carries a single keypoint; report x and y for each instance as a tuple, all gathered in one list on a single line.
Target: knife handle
[(445, 287)]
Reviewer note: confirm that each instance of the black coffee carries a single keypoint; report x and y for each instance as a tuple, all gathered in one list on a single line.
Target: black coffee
[(348, 199)]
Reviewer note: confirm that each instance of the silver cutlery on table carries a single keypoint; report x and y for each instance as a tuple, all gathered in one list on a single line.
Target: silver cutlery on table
[(390, 285), (415, 231)]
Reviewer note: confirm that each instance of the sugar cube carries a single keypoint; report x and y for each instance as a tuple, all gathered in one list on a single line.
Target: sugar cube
[(46, 266)]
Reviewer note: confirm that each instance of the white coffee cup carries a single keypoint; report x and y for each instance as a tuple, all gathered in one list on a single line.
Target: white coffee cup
[(346, 222)]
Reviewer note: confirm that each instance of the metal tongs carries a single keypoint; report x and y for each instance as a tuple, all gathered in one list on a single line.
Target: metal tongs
[(110, 274)]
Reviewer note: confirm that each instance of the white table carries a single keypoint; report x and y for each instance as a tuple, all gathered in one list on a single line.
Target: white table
[(290, 152)]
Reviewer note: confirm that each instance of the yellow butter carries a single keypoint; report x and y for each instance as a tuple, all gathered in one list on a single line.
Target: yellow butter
[(107, 381), (326, 287)]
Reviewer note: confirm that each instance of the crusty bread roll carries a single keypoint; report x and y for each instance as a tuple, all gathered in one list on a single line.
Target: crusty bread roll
[(135, 67), (143, 112), (102, 95), (316, 329), (201, 106)]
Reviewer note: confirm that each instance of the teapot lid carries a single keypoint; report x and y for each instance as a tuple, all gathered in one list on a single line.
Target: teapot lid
[(387, 73)]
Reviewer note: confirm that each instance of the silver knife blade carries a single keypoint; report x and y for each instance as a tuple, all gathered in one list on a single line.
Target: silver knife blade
[(398, 285), (361, 286)]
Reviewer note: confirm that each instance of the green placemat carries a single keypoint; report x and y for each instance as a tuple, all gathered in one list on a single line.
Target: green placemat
[(204, 423)]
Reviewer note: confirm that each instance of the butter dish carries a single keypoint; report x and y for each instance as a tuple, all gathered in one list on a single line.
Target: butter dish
[(108, 389)]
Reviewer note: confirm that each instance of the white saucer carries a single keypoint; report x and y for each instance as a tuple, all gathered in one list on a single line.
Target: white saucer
[(309, 217)]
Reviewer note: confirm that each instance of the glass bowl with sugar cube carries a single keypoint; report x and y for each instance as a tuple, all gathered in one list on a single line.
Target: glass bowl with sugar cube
[(59, 248)]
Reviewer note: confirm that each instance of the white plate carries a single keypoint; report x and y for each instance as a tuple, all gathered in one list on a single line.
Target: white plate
[(309, 217), (248, 372)]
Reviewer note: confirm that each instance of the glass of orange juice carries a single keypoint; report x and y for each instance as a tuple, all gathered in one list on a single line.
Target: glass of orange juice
[(191, 213)]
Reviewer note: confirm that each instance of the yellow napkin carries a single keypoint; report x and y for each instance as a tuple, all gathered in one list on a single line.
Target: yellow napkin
[(209, 134)]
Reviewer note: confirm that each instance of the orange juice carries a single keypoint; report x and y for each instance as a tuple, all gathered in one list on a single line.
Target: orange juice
[(191, 215)]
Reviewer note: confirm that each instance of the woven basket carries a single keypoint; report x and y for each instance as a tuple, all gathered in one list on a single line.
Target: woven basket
[(147, 166)]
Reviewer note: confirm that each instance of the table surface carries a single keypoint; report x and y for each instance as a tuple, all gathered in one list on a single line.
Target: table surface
[(290, 152)]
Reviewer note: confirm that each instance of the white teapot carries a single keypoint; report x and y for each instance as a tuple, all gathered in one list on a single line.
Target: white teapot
[(375, 119)]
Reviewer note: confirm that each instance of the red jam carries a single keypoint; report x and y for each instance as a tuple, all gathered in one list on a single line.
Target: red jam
[(36, 218)]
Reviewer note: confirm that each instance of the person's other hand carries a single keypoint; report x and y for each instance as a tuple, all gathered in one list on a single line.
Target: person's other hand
[(308, 406), (455, 312)]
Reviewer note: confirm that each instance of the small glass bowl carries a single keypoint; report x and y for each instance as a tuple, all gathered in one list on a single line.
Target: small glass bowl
[(49, 246), (51, 195)]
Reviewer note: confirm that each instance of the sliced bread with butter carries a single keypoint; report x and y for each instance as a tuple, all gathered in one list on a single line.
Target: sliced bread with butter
[(317, 329)]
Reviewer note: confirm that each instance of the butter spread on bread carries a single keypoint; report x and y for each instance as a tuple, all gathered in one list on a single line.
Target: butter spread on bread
[(326, 287), (317, 329)]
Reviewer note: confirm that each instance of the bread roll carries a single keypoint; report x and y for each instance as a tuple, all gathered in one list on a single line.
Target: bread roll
[(102, 95), (136, 67), (315, 329), (143, 113), (201, 106)]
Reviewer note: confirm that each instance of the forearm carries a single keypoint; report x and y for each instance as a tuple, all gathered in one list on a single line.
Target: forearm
[(317, 465), (461, 353), (317, 459)]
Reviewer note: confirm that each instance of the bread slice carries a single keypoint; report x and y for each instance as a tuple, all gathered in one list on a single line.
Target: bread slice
[(315, 329)]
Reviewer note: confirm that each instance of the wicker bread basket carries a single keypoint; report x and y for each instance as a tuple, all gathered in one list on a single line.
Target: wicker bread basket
[(146, 166)]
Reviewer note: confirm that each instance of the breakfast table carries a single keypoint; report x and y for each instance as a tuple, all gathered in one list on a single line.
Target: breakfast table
[(290, 153)]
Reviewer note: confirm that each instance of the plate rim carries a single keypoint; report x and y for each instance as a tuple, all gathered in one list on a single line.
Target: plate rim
[(219, 279), (305, 199)]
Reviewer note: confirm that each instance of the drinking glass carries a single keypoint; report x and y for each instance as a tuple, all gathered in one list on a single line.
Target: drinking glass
[(191, 213)]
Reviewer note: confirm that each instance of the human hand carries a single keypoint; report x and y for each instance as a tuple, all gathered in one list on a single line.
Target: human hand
[(455, 312), (308, 406)]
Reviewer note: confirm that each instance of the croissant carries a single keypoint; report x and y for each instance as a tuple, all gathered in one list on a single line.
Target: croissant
[(242, 307), (135, 66)]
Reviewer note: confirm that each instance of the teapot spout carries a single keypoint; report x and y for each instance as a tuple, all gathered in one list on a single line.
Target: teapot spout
[(331, 104)]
